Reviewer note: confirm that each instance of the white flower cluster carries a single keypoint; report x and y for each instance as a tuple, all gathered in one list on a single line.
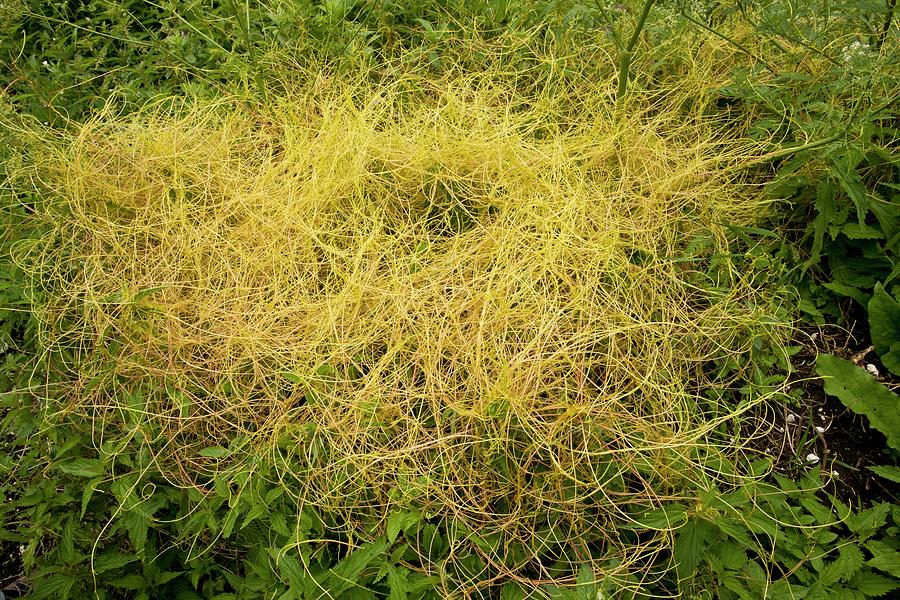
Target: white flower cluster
[(855, 51)]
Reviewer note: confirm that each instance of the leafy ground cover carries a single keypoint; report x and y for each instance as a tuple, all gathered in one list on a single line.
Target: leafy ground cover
[(362, 299)]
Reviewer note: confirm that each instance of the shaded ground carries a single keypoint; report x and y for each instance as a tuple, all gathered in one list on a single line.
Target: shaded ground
[(820, 431)]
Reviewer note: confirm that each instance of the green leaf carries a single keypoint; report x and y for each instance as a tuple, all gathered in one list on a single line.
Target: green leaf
[(129, 582), (862, 394), (873, 584), (691, 542), (137, 524), (868, 521), (884, 321), (891, 360), (855, 231), (884, 557), (214, 452), (848, 562), (397, 582), (83, 467), (296, 575), (848, 291), (400, 521), (112, 560), (67, 542), (888, 472), (346, 573), (667, 517)]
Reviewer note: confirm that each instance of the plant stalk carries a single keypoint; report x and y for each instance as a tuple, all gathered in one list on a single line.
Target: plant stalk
[(625, 59)]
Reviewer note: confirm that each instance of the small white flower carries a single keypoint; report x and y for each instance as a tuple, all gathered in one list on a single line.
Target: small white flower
[(812, 458), (791, 418), (872, 369), (45, 63), (820, 429)]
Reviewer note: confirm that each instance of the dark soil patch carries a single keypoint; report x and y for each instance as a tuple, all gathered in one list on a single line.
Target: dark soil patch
[(819, 431)]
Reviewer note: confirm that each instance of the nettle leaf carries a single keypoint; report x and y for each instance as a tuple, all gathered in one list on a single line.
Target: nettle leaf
[(691, 542), (848, 291), (848, 562), (112, 560), (83, 467), (855, 231), (667, 517), (346, 573), (868, 521), (863, 394), (888, 472), (400, 521), (884, 557), (884, 325), (873, 584)]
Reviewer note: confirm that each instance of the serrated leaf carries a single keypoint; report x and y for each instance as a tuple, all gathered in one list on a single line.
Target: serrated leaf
[(214, 452), (397, 582), (296, 576), (129, 582), (863, 394), (848, 291), (400, 521), (884, 557), (112, 560), (855, 231), (873, 584), (67, 542), (868, 521), (83, 467), (136, 524), (887, 472), (884, 321), (691, 541), (667, 517), (848, 562), (346, 573)]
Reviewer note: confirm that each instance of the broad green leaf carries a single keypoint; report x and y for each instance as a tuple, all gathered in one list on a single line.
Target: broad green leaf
[(667, 517), (884, 323), (214, 452), (346, 573), (691, 541), (888, 472), (884, 557), (397, 582), (848, 562), (848, 291), (866, 522), (400, 521), (873, 584), (136, 524), (112, 560), (129, 582), (891, 360), (863, 394), (83, 467), (295, 574)]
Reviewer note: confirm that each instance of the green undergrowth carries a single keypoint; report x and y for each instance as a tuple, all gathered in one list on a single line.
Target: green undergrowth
[(392, 300)]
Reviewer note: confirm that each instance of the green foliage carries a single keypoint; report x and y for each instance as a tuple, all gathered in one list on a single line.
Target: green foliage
[(884, 325), (97, 520), (783, 541), (862, 394)]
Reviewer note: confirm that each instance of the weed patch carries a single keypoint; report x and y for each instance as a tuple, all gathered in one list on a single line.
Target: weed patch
[(437, 300)]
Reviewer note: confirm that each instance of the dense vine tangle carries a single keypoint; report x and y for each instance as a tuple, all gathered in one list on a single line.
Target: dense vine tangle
[(494, 306)]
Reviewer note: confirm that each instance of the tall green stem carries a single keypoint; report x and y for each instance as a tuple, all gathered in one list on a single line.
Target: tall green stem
[(628, 53)]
